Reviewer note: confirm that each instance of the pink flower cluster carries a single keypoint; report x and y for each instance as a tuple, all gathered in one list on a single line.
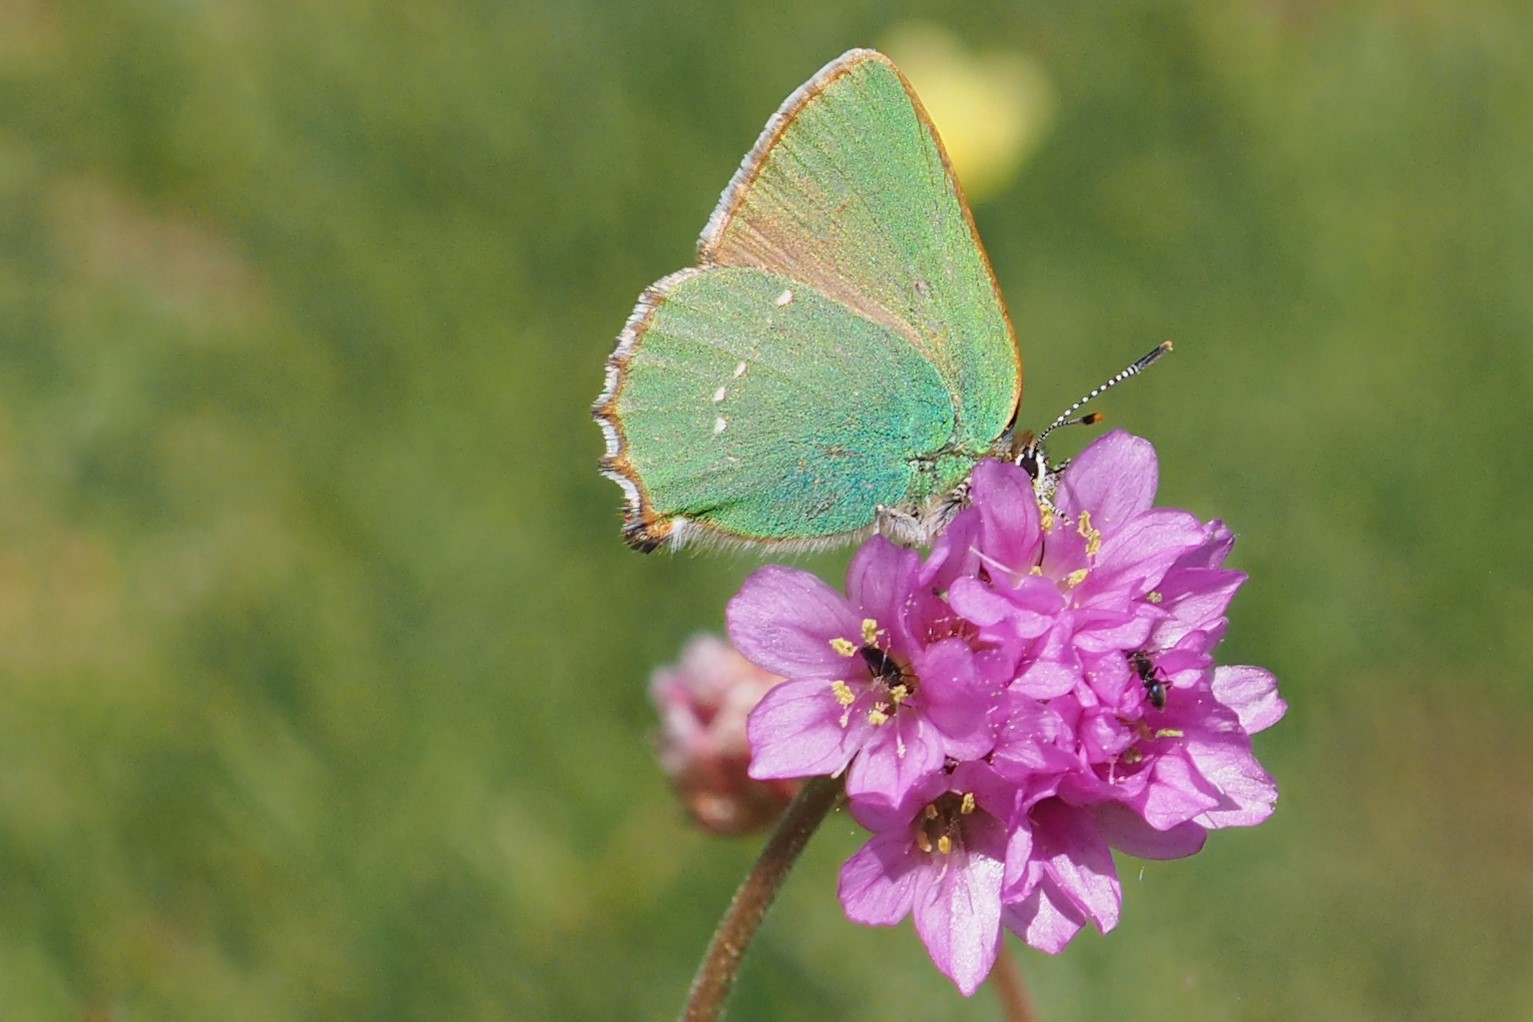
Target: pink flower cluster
[(1038, 691)]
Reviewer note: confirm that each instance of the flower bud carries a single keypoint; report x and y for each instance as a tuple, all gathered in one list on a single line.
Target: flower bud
[(703, 701)]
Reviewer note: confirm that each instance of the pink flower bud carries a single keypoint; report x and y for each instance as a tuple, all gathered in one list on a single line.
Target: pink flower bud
[(703, 702)]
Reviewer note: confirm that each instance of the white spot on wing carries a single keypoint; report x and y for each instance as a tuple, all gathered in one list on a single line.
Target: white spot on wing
[(719, 425)]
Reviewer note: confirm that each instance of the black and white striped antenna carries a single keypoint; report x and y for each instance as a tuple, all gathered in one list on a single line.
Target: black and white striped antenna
[(1027, 449), (1134, 370)]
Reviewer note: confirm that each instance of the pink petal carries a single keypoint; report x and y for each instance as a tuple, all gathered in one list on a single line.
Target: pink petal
[(1022, 871), (1033, 739), (1100, 630), (959, 916), (1214, 550), (899, 754), (1077, 857), (954, 556), (1252, 693), (1247, 792), (795, 731), (1144, 549), (1102, 733), (1008, 506), (879, 581), (979, 603), (783, 619), (1045, 919), (953, 696), (1114, 478), (1176, 794), (1025, 610), (1128, 832), (1044, 679), (878, 883), (1195, 597)]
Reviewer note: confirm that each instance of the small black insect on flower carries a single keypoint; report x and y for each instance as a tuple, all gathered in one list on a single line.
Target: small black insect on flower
[(1155, 686)]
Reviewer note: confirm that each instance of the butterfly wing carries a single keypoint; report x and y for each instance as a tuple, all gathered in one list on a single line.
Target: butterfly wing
[(842, 270), (849, 190), (746, 406)]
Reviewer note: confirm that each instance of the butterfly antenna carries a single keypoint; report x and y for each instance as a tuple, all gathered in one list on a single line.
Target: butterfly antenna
[(1134, 370)]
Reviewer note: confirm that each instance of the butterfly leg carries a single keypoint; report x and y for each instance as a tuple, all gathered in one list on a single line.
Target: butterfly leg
[(921, 529), (900, 526), (941, 514)]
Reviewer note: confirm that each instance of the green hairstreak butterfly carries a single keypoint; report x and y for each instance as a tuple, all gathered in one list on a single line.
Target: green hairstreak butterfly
[(839, 359)]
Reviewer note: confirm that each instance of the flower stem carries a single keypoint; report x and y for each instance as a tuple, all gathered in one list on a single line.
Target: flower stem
[(1011, 989), (716, 975)]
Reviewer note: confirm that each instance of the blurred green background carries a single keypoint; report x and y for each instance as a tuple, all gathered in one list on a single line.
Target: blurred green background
[(322, 667)]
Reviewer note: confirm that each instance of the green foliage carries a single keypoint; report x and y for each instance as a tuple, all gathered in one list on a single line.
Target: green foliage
[(322, 665)]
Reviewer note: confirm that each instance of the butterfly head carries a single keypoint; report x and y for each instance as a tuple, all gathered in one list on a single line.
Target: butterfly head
[(1026, 448)]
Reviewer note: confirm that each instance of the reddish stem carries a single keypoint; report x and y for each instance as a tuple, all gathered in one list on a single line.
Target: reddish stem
[(721, 964), (1011, 989)]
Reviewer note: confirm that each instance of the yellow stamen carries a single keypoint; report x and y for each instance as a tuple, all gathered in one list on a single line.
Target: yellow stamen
[(1132, 756), (1154, 596), (968, 803), (1075, 578), (1090, 534), (930, 812), (1170, 732), (869, 632), (945, 845), (843, 693), (899, 693), (877, 716), (1036, 570), (923, 842), (1046, 517), (846, 647)]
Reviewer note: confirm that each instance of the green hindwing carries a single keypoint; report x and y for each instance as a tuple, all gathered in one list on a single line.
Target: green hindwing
[(758, 409)]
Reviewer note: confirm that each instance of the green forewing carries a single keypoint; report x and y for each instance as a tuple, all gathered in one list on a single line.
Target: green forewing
[(849, 191), (766, 410)]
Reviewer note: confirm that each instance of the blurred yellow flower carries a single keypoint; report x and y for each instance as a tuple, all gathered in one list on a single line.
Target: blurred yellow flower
[(991, 109)]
